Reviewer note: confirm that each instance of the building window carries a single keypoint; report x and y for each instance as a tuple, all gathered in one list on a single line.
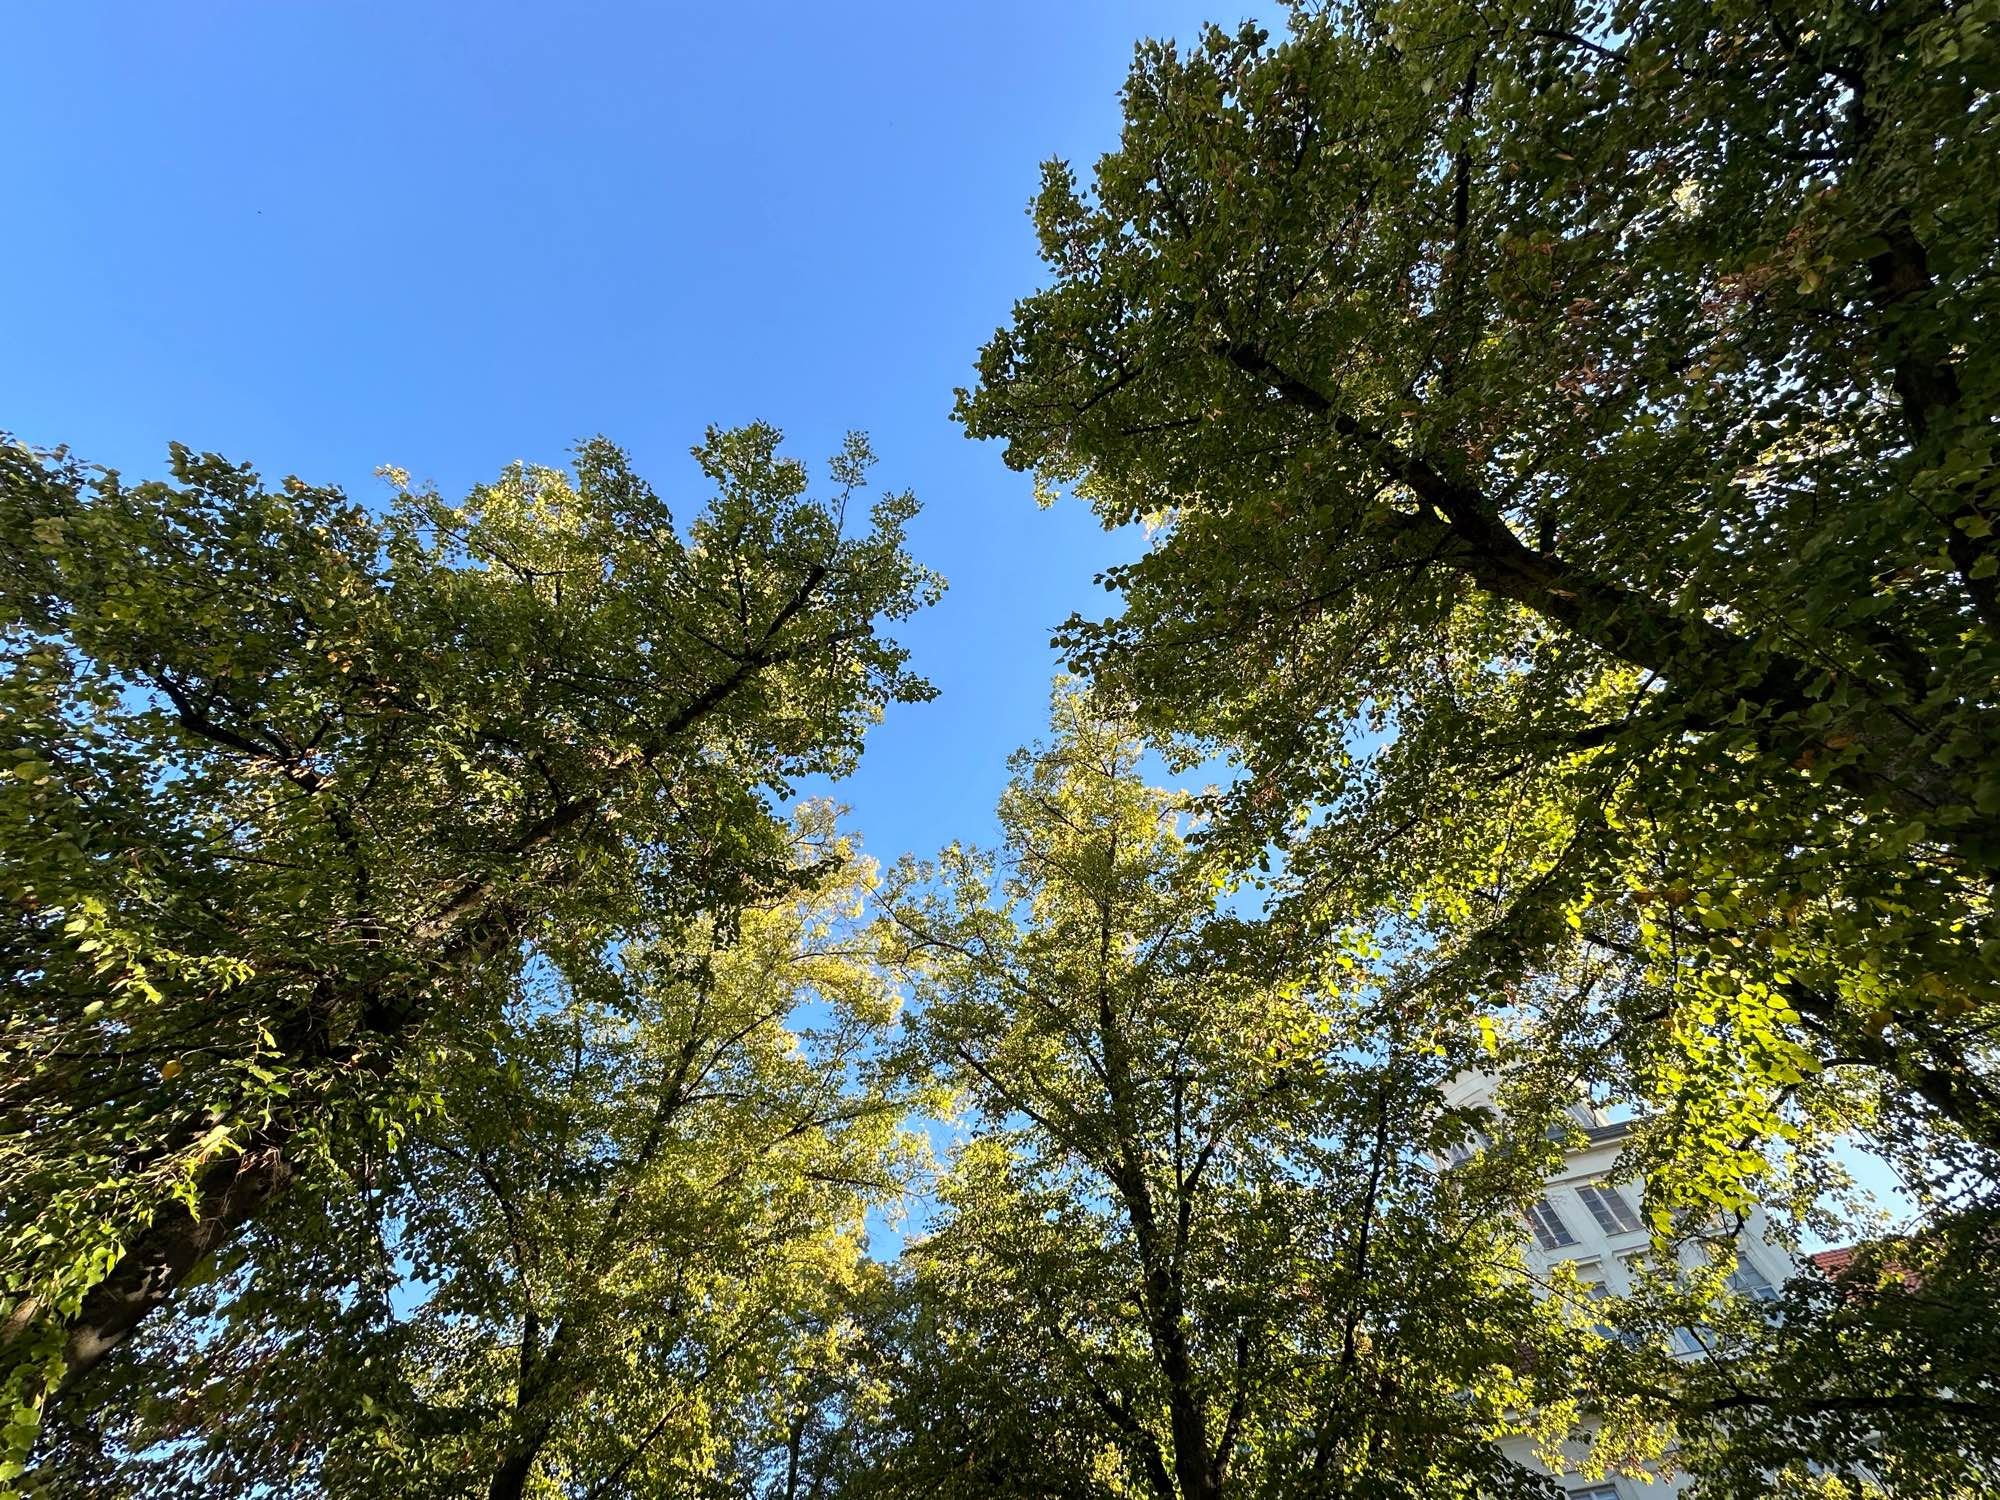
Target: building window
[(1751, 1282), (1681, 1340), (1550, 1231), (1608, 1206), (1594, 1492), (1591, 1275)]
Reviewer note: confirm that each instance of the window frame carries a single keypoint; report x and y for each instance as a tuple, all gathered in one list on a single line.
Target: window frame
[(1748, 1280), (1547, 1225), (1609, 1207)]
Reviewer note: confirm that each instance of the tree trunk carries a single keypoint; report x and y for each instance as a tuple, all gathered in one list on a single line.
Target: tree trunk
[(172, 1245), (510, 1480)]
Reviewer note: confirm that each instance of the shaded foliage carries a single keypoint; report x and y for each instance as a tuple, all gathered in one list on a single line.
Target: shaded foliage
[(607, 1266), (1569, 433), (295, 788)]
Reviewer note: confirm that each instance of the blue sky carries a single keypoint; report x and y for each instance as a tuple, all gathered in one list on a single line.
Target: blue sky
[(324, 237)]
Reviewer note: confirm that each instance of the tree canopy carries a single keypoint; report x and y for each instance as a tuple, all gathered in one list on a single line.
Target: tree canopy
[(1195, 1247), (437, 1060), (610, 1263), (1568, 435), (297, 787)]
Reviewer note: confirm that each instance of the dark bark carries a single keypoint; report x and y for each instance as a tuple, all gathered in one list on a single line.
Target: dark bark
[(1710, 669), (510, 1479), (1900, 289), (1195, 1473), (1930, 1064), (1933, 1064), (229, 1194)]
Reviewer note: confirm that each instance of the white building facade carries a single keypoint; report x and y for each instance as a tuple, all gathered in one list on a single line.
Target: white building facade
[(1594, 1226)]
